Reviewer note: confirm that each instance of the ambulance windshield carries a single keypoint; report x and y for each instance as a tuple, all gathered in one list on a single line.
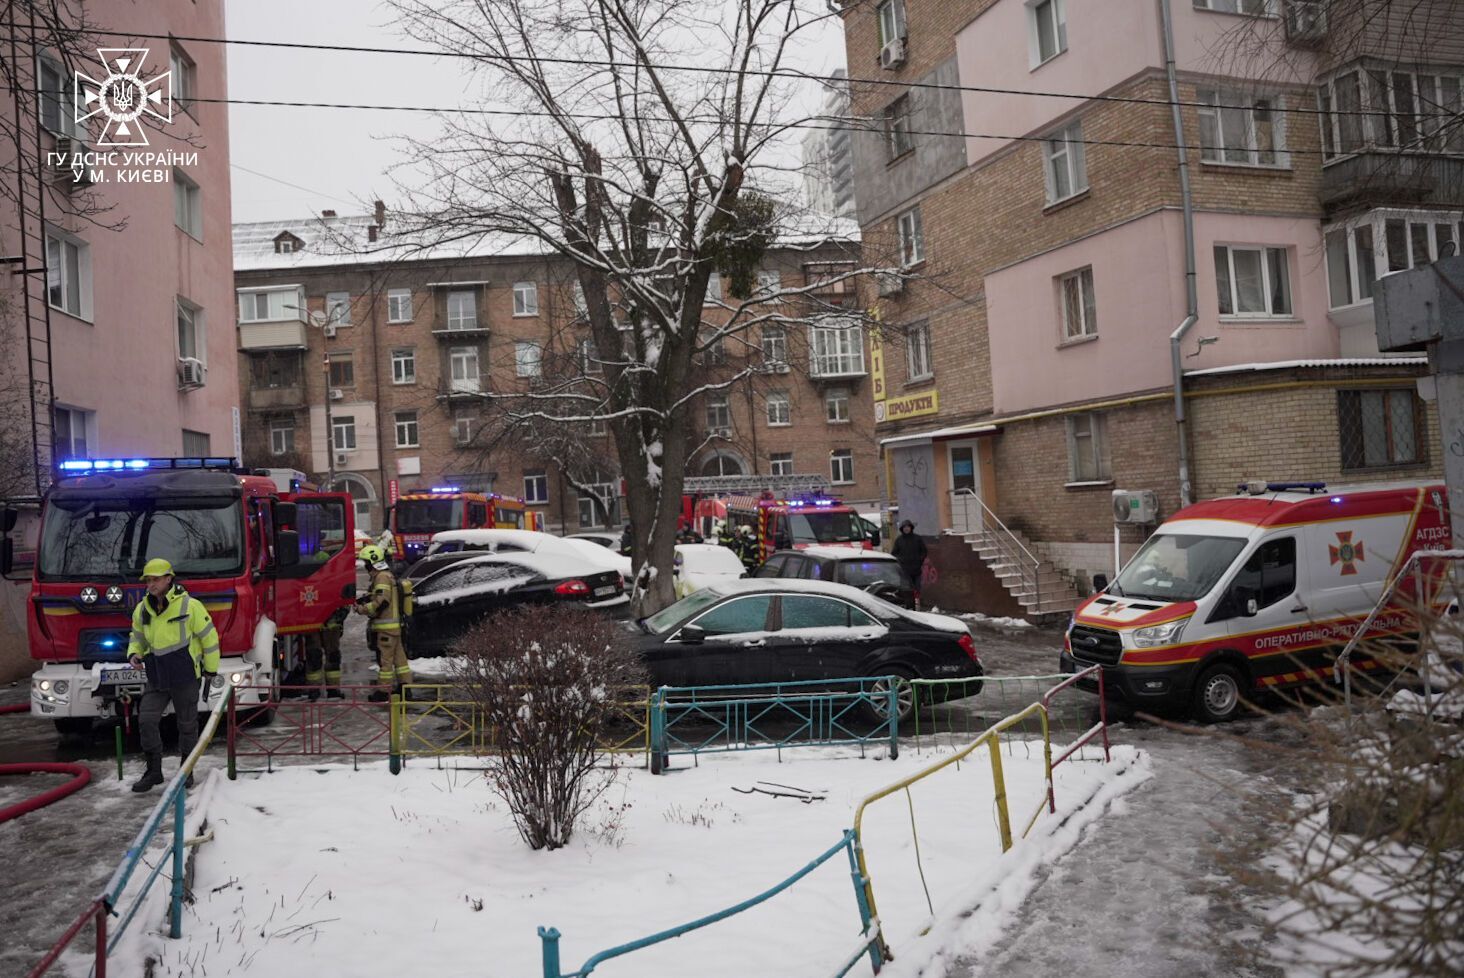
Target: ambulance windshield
[(1177, 567)]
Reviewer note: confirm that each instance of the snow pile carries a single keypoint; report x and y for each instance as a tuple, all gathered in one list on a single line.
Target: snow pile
[(332, 871), (435, 668), (996, 622)]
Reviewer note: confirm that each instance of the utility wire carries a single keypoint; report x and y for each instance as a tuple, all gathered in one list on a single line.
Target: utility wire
[(767, 73), (296, 186)]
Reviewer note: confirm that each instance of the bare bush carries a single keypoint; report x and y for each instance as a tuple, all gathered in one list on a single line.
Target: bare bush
[(545, 680)]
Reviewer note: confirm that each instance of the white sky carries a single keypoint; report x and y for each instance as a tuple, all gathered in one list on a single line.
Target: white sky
[(339, 155)]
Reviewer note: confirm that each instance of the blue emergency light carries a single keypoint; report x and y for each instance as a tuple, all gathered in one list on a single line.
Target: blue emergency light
[(446, 489), (75, 465)]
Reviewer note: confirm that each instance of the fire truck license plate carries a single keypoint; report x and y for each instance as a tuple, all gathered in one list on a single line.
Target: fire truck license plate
[(123, 677), (606, 591)]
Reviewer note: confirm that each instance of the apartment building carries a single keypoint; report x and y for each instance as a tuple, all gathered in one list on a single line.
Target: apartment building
[(1029, 364), (828, 153), (372, 368)]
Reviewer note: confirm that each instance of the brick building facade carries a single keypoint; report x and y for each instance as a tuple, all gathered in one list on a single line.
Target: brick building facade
[(416, 343)]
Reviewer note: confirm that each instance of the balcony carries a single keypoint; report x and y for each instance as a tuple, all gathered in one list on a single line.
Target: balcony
[(1390, 178), (288, 334), (838, 366), (452, 389), (473, 329), (277, 398)]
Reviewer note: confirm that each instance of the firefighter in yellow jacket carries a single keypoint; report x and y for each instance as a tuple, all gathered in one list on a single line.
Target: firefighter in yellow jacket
[(174, 640), (383, 605)]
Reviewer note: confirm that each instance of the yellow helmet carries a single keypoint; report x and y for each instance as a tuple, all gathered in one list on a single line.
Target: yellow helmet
[(371, 554), (157, 567)]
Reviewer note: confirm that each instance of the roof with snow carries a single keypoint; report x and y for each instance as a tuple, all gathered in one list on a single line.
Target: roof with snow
[(1290, 364)]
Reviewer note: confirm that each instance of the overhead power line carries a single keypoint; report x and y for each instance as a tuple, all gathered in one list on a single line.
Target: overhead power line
[(767, 73)]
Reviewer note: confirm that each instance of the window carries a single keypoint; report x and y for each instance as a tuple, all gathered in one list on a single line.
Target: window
[(780, 463), (525, 299), (841, 466), (58, 110), (406, 429), (343, 432), (463, 368), (769, 284), (270, 305), (722, 464), (1393, 109), (837, 351), (897, 127), (274, 370), (918, 364), (749, 614), (912, 237), (808, 611), (577, 298), (338, 308), (1088, 449), (404, 366), (190, 330), (342, 370), (719, 415), (716, 349), (286, 243), (185, 77), (590, 358), (281, 437), (1079, 312), (714, 289), (597, 427), (1252, 282), (599, 502), (1239, 128), (774, 346), (1257, 8), (187, 205), (1047, 30), (462, 310), (836, 405), (527, 359), (68, 274), (536, 487), (891, 15), (71, 429), (399, 306), (1268, 575), (195, 442), (1066, 163), (462, 430), (778, 409), (1378, 428)]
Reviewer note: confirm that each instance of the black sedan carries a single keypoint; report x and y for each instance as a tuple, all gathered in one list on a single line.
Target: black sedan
[(870, 570), (774, 631), (449, 602)]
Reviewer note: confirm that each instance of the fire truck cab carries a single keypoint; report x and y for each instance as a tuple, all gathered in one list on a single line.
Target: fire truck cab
[(793, 524), (416, 516), (267, 565), (1259, 591)]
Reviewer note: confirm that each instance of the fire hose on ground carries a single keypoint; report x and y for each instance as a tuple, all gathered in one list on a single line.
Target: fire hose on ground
[(80, 775)]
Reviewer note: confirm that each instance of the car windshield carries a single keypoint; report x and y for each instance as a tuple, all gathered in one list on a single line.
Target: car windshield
[(92, 539), (814, 528), (668, 618), (428, 515), (862, 573), (1177, 567)]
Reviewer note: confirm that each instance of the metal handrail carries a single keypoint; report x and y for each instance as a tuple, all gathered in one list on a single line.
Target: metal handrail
[(1011, 539)]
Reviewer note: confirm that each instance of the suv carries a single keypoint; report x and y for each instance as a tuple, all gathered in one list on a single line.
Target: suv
[(871, 570)]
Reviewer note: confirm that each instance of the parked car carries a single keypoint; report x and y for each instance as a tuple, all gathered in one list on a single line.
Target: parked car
[(872, 570), (454, 598), (767, 631), (700, 565), (600, 538)]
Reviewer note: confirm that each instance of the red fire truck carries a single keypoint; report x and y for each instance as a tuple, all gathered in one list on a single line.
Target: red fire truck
[(267, 564), (789, 524), (415, 516)]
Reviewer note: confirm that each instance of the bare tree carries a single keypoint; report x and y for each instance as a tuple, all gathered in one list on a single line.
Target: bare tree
[(648, 177)]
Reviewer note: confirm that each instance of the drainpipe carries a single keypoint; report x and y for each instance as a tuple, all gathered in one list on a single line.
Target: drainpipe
[(1192, 302)]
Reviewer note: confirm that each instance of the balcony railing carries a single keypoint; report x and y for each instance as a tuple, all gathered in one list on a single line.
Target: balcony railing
[(276, 335), (832, 365), (1389, 177), (276, 398)]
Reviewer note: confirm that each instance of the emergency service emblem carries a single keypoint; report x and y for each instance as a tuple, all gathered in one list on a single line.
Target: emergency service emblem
[(1346, 553), (123, 97), (308, 595)]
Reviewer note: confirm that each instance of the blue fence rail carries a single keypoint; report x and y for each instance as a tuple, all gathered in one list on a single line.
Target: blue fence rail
[(870, 940), (767, 716)]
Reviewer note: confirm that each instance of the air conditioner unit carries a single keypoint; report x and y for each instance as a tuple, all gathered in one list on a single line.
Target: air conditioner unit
[(1136, 506), (190, 373), (336, 394), (342, 458), (329, 330), (777, 367), (892, 55), (1306, 21), (889, 283), (63, 171)]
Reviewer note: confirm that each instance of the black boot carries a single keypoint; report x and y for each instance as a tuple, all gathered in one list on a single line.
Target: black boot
[(334, 693), (314, 695), (380, 696), (189, 782), (153, 776)]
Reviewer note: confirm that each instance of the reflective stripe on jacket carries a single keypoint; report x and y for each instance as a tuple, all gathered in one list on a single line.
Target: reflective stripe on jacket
[(383, 608), (184, 623)]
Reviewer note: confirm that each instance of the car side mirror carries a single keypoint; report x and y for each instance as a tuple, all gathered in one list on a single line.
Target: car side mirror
[(287, 548), (1243, 601), (691, 635), (1100, 582), (7, 556), (8, 518), (285, 514)]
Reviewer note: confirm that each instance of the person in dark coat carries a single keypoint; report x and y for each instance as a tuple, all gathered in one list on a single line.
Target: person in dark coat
[(910, 551)]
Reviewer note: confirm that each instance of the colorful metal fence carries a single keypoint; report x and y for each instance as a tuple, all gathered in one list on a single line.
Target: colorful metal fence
[(870, 943), (692, 720), (938, 721), (349, 727)]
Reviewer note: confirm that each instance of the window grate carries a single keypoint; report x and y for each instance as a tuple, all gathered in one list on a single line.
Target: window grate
[(1378, 428)]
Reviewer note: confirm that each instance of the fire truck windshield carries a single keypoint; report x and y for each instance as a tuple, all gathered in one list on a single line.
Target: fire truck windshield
[(102, 539), (815, 528), (428, 515)]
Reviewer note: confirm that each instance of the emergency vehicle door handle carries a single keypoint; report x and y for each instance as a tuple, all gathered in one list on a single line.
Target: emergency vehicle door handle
[(1299, 609), (754, 643)]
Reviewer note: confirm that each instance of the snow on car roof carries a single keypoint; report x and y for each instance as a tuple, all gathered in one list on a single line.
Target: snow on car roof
[(530, 540), (599, 556), (845, 553), (863, 599), (704, 557), (551, 565)]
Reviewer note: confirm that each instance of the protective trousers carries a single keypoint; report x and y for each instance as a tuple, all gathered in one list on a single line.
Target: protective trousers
[(323, 658), (395, 669), (185, 706)]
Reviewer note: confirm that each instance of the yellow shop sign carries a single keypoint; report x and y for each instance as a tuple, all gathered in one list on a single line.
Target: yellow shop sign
[(912, 406)]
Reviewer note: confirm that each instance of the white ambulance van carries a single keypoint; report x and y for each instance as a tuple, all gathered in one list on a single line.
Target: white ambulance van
[(1258, 591)]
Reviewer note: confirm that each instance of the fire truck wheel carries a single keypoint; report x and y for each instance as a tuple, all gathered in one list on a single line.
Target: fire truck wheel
[(874, 710), (74, 726), (1218, 694)]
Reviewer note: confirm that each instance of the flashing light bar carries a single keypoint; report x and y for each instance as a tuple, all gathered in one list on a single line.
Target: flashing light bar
[(74, 465), (445, 489), (810, 502)]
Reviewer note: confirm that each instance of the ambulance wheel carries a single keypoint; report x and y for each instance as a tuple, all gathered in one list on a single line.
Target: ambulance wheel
[(1218, 694)]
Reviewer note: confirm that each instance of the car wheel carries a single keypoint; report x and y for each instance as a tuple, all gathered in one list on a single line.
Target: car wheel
[(1217, 697), (875, 708)]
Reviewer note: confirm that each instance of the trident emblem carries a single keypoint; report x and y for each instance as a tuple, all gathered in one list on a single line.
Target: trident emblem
[(123, 97)]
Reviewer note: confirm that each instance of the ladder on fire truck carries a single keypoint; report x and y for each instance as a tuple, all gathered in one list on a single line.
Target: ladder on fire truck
[(30, 267), (739, 485)]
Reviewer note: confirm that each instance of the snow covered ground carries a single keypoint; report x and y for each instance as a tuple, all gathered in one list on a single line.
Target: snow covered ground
[(328, 871)]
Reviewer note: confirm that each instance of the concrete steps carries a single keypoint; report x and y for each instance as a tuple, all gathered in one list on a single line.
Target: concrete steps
[(1045, 593)]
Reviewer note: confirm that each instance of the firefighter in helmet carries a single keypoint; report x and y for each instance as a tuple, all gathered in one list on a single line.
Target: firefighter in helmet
[(748, 548), (323, 658), (383, 605)]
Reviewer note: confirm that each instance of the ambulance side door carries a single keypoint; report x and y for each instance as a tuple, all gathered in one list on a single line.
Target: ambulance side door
[(1272, 576)]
